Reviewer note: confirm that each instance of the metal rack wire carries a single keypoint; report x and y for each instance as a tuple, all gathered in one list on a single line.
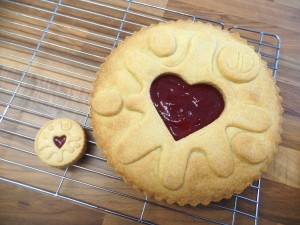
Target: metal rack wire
[(49, 56)]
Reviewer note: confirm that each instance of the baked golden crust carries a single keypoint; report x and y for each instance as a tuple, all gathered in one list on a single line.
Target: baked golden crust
[(212, 163)]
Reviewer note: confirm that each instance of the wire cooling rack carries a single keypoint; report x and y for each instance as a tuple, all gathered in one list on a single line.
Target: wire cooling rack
[(50, 52)]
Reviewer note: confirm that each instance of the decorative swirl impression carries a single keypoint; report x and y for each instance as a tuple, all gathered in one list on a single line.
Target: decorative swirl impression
[(238, 63), (162, 42), (107, 103)]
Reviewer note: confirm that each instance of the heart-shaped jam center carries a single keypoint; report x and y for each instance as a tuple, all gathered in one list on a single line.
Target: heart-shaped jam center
[(185, 108), (60, 141)]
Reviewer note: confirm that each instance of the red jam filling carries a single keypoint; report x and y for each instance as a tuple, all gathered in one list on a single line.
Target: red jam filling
[(185, 108), (60, 141)]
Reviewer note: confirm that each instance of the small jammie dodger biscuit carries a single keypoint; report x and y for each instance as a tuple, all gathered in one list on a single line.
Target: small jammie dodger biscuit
[(60, 142)]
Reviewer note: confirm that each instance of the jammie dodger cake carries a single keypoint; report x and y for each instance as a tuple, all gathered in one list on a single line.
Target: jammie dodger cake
[(186, 112)]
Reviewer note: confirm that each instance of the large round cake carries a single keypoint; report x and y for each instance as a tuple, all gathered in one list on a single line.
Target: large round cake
[(186, 112)]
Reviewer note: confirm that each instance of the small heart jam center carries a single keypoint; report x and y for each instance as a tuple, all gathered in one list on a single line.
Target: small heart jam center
[(185, 108), (60, 141)]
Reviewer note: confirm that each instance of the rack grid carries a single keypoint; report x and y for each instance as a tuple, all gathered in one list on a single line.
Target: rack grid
[(50, 53)]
